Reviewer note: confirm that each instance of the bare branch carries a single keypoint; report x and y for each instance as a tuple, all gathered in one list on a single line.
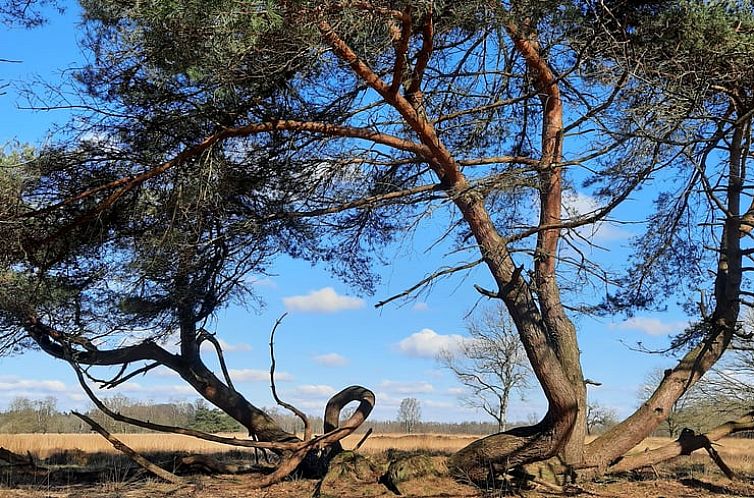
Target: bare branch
[(133, 455), (429, 279), (120, 380), (287, 406), (176, 430), (206, 336)]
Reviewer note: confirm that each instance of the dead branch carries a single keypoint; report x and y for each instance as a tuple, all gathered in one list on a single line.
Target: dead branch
[(16, 459), (206, 336), (209, 465), (363, 440), (179, 430), (133, 455), (120, 379), (287, 406), (429, 279)]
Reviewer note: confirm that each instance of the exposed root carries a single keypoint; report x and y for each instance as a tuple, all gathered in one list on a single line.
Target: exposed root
[(481, 461), (413, 467)]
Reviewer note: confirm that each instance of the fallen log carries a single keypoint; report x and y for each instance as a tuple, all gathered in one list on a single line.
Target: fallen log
[(687, 443)]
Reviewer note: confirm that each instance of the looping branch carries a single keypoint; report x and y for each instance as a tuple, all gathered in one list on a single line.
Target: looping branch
[(335, 405)]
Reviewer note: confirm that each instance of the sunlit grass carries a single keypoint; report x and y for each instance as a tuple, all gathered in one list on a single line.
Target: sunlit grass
[(43, 445), (738, 453)]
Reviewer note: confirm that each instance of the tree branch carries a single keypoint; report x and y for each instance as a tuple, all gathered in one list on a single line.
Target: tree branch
[(245, 443), (133, 455), (206, 336), (429, 279), (287, 406), (401, 52), (422, 59)]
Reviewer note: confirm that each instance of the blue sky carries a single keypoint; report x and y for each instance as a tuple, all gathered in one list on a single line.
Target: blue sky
[(331, 337)]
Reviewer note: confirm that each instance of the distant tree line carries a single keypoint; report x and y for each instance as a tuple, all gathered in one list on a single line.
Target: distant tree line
[(24, 415)]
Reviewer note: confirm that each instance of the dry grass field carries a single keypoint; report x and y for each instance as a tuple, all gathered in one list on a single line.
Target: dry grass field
[(739, 453), (694, 476), (42, 446)]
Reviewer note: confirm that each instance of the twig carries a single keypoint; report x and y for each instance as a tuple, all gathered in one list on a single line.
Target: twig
[(428, 279), (206, 336), (287, 406), (117, 381), (363, 440), (133, 455)]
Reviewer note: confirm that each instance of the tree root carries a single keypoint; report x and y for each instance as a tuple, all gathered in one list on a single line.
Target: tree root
[(481, 461)]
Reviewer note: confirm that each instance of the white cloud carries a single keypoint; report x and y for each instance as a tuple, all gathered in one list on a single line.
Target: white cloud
[(322, 301), (420, 307), (456, 391), (178, 389), (579, 204), (28, 385), (397, 387), (314, 390), (650, 326), (385, 400), (316, 406), (439, 404), (427, 343), (330, 360), (262, 282), (254, 375), (165, 372), (226, 346)]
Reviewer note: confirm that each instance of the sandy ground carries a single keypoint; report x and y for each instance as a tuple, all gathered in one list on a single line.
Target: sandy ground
[(229, 487)]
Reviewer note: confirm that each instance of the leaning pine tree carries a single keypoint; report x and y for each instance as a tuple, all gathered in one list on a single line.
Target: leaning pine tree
[(229, 133)]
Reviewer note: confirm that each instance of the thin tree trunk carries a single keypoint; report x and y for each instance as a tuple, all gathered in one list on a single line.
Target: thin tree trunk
[(608, 448)]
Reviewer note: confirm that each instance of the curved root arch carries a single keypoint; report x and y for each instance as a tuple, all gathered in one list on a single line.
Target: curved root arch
[(335, 406)]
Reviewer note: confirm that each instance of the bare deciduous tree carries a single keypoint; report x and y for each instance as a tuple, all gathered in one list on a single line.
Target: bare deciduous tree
[(491, 364), (599, 418), (409, 414)]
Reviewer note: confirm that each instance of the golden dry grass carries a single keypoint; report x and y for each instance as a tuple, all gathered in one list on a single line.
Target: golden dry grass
[(738, 453), (433, 442), (43, 445)]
